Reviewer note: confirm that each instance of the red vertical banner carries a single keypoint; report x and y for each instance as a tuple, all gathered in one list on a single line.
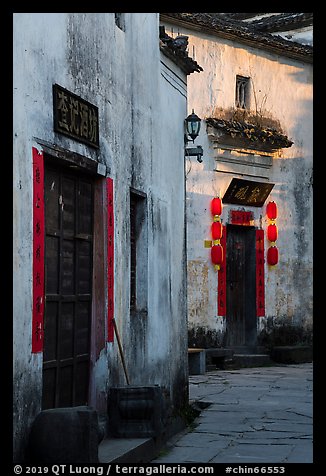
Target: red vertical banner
[(260, 278), (221, 279), (38, 252), (110, 257)]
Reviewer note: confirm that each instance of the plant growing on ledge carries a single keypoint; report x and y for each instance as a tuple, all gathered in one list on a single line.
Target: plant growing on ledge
[(243, 128)]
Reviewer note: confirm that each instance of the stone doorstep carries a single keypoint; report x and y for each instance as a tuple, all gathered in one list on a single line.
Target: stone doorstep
[(237, 357), (139, 450), (218, 358), (251, 360), (144, 450), (127, 450)]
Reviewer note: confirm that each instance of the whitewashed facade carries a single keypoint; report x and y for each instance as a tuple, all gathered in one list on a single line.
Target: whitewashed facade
[(280, 91), (114, 62)]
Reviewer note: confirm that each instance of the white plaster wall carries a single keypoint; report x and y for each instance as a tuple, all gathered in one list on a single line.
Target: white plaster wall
[(31, 117), (284, 91), (141, 143), (173, 110)]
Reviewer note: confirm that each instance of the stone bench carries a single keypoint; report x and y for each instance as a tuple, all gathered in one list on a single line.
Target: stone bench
[(196, 361)]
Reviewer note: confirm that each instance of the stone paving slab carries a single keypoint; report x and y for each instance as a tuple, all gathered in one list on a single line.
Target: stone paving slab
[(244, 453), (300, 454), (192, 454), (257, 415)]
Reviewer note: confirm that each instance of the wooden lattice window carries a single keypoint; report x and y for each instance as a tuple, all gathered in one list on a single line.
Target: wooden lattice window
[(242, 92)]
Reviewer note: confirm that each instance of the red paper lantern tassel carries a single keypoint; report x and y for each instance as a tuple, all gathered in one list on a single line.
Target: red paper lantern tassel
[(271, 210), (272, 232), (217, 230), (272, 255), (216, 206), (217, 255)]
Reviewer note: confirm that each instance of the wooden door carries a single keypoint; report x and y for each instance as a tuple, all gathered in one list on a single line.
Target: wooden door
[(68, 285), (241, 325)]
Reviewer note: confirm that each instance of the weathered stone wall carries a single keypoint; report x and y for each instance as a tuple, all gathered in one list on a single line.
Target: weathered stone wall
[(141, 143)]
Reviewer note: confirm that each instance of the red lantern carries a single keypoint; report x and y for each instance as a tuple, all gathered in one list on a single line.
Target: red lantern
[(217, 230), (272, 232), (216, 206), (272, 256), (217, 254), (271, 210)]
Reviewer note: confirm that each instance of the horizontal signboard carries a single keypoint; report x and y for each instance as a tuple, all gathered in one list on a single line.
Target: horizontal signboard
[(247, 192), (75, 117)]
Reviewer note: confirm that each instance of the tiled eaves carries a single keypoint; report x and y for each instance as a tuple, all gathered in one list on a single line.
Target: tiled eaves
[(252, 134), (178, 54), (238, 32), (238, 16), (282, 22), (273, 22)]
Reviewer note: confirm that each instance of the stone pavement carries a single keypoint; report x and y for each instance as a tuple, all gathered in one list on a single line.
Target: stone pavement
[(256, 415)]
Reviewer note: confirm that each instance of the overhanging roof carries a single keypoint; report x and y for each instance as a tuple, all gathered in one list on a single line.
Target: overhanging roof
[(243, 33)]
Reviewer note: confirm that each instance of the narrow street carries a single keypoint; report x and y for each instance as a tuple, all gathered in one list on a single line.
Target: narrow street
[(162, 227), (255, 415)]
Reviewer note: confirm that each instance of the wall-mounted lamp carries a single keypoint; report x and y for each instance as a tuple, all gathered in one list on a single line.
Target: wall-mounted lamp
[(192, 128)]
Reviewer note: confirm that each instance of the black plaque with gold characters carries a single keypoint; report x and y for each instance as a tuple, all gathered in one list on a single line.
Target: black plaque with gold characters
[(75, 117), (247, 192)]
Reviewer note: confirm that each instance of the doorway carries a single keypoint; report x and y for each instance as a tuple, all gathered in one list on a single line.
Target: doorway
[(241, 323), (68, 198)]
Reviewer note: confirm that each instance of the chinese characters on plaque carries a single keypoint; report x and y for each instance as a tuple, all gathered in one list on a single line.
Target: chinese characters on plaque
[(75, 117), (247, 192), (38, 252)]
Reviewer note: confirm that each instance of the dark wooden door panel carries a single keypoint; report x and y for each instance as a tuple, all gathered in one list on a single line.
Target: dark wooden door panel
[(240, 286), (49, 387), (68, 206), (68, 262), (52, 190), (235, 287), (51, 337), (52, 246), (84, 208)]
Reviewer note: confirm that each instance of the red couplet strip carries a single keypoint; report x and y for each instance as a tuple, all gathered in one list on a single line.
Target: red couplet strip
[(110, 255), (239, 217), (221, 279), (260, 277), (38, 251)]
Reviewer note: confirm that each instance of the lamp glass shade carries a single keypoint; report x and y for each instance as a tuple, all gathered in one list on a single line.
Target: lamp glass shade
[(217, 230), (271, 210), (272, 256), (272, 232), (217, 254), (216, 206), (193, 125)]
